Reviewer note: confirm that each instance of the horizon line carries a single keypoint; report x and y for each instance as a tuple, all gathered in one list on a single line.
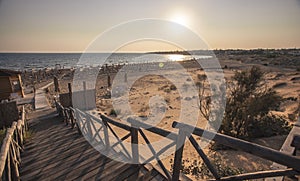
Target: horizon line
[(154, 51)]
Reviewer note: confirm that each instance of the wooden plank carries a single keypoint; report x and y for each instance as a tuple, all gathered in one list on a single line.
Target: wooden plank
[(55, 151), (120, 167), (252, 148), (51, 159), (178, 155), (262, 174), (156, 130), (75, 161), (51, 141), (143, 174), (204, 157), (104, 167), (286, 148), (134, 145), (148, 177), (77, 169), (87, 161), (127, 173), (158, 177)]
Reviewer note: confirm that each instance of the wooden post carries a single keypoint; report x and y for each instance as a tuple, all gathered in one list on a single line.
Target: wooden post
[(108, 80), (84, 96), (205, 159), (70, 94), (8, 167), (56, 85), (89, 127), (125, 77), (106, 136), (134, 144), (13, 163), (178, 155), (71, 113), (296, 143), (254, 149)]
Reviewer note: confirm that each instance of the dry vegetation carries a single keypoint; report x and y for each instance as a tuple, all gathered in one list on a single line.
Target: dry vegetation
[(262, 103)]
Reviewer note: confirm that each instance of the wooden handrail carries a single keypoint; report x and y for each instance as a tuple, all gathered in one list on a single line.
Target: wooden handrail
[(10, 150), (135, 128), (255, 149), (260, 174), (252, 148)]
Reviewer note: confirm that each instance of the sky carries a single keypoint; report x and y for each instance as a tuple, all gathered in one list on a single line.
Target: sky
[(72, 25)]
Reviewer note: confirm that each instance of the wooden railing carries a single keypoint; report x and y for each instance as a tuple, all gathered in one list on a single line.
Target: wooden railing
[(12, 146), (291, 161), (85, 123)]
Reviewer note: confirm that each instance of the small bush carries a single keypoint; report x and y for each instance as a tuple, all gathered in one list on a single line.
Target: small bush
[(114, 112), (201, 77), (167, 90), (173, 87), (248, 107), (267, 126)]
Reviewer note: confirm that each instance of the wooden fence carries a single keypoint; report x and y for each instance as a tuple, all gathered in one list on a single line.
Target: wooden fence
[(12, 146), (86, 124)]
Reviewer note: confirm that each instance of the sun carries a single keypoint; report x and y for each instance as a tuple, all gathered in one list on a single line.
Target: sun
[(180, 19)]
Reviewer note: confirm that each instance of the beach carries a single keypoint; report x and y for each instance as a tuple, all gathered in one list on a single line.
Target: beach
[(285, 81)]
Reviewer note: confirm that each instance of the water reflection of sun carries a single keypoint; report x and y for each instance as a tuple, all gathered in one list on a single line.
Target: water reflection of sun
[(176, 57)]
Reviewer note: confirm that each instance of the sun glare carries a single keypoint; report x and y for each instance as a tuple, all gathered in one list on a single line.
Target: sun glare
[(180, 19)]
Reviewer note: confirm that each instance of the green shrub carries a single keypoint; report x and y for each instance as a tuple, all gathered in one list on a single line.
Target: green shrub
[(167, 90), (248, 106), (114, 112), (173, 87), (267, 126)]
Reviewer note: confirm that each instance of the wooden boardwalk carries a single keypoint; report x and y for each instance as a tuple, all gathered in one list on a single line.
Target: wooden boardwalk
[(57, 152)]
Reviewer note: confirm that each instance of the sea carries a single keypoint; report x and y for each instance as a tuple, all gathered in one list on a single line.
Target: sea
[(36, 61)]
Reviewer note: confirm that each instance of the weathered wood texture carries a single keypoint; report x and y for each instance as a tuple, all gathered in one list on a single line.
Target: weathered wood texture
[(11, 148), (57, 152), (287, 160)]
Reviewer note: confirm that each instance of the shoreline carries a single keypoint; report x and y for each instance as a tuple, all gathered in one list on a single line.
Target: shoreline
[(286, 81)]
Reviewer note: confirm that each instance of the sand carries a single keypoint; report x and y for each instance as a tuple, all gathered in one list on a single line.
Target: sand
[(286, 81)]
